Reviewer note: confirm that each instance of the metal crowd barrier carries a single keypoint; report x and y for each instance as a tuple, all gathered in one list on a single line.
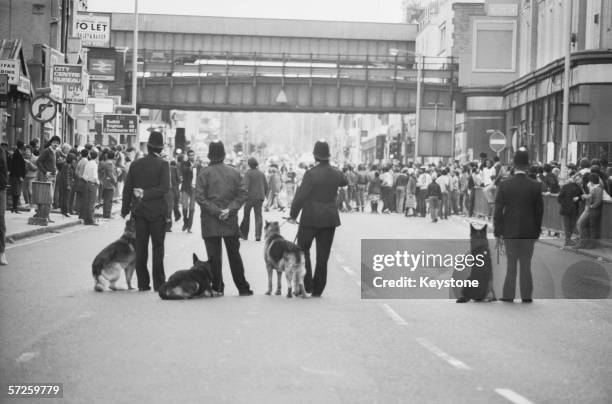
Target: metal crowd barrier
[(552, 220)]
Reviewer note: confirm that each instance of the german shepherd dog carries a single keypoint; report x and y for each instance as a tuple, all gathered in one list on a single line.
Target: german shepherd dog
[(119, 256), (479, 245), (188, 283), (282, 255)]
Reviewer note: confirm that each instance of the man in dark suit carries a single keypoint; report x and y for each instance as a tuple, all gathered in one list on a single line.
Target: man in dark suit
[(257, 187), (144, 194), (316, 199), (519, 207)]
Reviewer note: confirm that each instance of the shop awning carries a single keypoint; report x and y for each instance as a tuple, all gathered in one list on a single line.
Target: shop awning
[(13, 63)]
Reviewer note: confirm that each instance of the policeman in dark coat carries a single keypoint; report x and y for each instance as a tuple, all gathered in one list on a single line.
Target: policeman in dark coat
[(144, 193), (220, 192), (519, 208), (316, 199)]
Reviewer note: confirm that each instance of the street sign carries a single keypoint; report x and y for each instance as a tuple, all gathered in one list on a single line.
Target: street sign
[(43, 109), (4, 85), (67, 74), (77, 93), (120, 124), (87, 112), (101, 69), (99, 90), (497, 141), (10, 67)]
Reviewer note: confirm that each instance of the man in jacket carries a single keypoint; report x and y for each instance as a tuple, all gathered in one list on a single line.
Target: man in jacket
[(316, 199), (17, 169), (144, 194), (47, 171), (3, 185), (189, 172), (220, 192), (569, 200), (519, 208), (257, 188)]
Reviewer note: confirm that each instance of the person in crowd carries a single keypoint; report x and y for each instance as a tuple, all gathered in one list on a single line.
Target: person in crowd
[(410, 204), (290, 182), (343, 199), (609, 179), (47, 172), (274, 188), (4, 181), (65, 183), (386, 190), (17, 168), (189, 172), (108, 180), (315, 199), (257, 189), (361, 187), (434, 196), (519, 208), (569, 199), (423, 181), (464, 178), (220, 192), (172, 196), (144, 195), (489, 193), (551, 180), (487, 173), (401, 182), (444, 182), (121, 167), (590, 228), (35, 147), (374, 190), (351, 177), (60, 158), (30, 163), (453, 195), (80, 184), (91, 179)]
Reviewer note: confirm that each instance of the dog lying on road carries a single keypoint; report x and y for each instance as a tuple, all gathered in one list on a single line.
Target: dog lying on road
[(282, 255), (188, 283), (119, 256)]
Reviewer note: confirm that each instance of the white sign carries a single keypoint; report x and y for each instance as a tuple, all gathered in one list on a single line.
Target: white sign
[(102, 105), (93, 29), (77, 93), (503, 10), (10, 67), (24, 86)]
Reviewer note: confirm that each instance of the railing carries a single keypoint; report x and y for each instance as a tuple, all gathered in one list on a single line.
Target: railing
[(552, 221), (396, 68)]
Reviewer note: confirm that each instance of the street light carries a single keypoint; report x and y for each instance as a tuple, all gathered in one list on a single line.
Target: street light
[(419, 59)]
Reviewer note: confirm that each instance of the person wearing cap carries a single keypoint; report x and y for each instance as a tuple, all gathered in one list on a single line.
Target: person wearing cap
[(316, 200), (519, 208), (257, 188), (144, 195), (220, 192)]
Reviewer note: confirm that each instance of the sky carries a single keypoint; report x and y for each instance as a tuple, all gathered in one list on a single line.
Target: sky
[(340, 10)]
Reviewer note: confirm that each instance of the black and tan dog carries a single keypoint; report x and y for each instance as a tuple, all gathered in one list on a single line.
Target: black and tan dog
[(119, 256), (282, 255), (188, 283), (479, 246)]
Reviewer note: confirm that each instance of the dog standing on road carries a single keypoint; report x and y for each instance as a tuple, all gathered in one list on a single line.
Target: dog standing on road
[(119, 256), (282, 255)]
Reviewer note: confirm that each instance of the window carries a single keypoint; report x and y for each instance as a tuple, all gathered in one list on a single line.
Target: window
[(442, 46), (494, 46)]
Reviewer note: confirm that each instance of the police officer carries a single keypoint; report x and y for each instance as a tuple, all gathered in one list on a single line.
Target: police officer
[(316, 199), (144, 194)]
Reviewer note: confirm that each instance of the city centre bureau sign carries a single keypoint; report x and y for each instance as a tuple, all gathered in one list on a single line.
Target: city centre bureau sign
[(119, 124), (67, 74)]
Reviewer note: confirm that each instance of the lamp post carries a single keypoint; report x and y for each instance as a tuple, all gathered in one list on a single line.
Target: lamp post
[(419, 59), (567, 29), (135, 58)]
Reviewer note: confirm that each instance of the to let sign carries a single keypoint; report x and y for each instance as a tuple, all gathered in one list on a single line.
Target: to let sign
[(67, 74), (93, 29), (120, 124)]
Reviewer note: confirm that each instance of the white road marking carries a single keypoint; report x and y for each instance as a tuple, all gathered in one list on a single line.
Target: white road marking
[(26, 357), (38, 240), (443, 355), (86, 314), (348, 270), (393, 314), (513, 396)]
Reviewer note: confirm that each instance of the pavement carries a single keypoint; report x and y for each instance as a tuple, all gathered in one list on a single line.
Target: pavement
[(126, 347), (17, 226)]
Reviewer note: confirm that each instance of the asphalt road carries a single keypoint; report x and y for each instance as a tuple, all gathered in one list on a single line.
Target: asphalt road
[(131, 347)]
